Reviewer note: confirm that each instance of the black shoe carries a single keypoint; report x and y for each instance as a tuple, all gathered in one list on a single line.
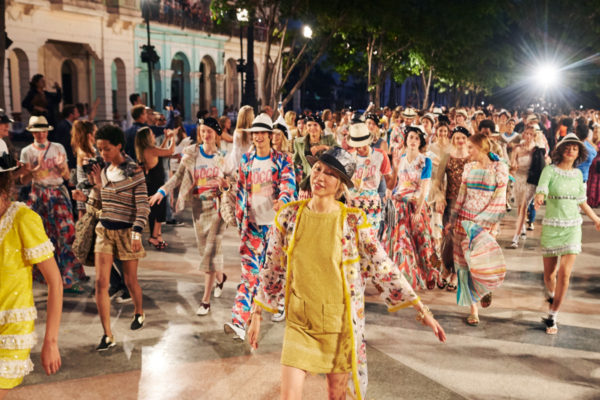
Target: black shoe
[(138, 322), (106, 343), (124, 298), (114, 292), (174, 222)]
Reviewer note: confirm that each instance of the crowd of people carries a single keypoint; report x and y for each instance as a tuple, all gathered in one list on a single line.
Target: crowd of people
[(325, 202)]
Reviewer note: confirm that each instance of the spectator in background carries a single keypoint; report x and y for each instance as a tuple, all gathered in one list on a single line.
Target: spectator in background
[(214, 112), (39, 101), (226, 134), (135, 99), (138, 113), (267, 110), (62, 133), (5, 121)]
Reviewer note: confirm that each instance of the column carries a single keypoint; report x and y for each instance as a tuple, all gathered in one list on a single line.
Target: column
[(220, 100)]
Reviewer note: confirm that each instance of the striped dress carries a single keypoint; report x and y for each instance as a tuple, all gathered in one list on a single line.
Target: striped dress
[(481, 199)]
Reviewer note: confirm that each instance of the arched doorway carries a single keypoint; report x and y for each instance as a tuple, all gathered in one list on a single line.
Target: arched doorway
[(180, 84), (208, 83), (68, 73), (232, 84), (119, 88), (18, 76)]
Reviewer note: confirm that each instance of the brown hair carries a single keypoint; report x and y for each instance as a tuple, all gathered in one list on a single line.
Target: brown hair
[(79, 136), (6, 183), (137, 111), (244, 121), (559, 151), (481, 141)]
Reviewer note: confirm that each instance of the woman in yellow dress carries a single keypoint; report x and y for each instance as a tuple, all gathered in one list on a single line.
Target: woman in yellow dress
[(320, 255), (23, 242)]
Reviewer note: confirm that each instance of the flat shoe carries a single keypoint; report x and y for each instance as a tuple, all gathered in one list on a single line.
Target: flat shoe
[(473, 320), (451, 287), (486, 300)]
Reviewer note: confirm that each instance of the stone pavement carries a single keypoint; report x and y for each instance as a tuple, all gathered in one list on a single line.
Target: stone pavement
[(179, 355)]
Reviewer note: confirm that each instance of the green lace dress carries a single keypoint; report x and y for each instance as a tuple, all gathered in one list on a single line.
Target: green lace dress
[(561, 227)]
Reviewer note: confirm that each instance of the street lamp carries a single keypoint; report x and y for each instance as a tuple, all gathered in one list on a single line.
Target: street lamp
[(307, 32), (249, 95), (149, 54), (547, 75), (242, 16)]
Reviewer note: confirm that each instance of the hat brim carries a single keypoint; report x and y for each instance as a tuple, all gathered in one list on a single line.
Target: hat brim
[(49, 128), (258, 129), (360, 143), (9, 169), (340, 174)]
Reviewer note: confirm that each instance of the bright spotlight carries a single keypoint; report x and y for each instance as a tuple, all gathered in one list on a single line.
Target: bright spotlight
[(307, 32), (547, 75), (242, 15)]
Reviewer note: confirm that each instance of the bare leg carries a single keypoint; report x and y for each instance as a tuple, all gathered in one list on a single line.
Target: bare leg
[(337, 385), (522, 214), (292, 380), (209, 282), (474, 309), (562, 283), (103, 266), (550, 269), (157, 231), (131, 280), (3, 392)]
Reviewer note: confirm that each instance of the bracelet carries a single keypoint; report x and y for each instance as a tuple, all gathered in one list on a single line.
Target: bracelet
[(425, 312), (161, 191), (136, 235)]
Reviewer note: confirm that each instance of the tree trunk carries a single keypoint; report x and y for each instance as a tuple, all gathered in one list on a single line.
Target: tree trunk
[(300, 81), (379, 81), (370, 50), (426, 86), (2, 51)]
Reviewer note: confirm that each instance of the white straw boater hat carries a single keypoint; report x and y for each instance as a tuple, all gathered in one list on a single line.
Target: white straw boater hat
[(38, 123), (262, 123), (359, 135), (7, 162), (409, 113)]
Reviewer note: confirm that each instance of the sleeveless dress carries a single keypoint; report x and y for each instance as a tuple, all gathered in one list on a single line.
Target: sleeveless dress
[(155, 178), (23, 242), (523, 191), (317, 333)]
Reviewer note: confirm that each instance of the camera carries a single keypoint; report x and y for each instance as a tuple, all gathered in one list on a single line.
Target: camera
[(87, 168)]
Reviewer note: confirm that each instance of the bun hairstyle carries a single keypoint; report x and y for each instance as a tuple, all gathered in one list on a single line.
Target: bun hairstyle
[(419, 132), (482, 141)]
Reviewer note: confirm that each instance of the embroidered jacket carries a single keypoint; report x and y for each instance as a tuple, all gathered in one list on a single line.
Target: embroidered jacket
[(363, 258), (284, 184), (185, 175)]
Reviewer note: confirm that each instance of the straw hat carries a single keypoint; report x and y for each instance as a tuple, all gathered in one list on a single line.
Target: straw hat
[(262, 123), (38, 123), (359, 135)]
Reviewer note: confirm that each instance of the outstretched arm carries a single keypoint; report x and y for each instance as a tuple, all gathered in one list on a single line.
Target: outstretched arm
[(51, 360)]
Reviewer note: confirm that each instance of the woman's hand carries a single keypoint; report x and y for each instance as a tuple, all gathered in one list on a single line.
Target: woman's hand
[(440, 206), (538, 200), (435, 327), (254, 331), (597, 224), (136, 245), (156, 198), (78, 195), (94, 176), (51, 357)]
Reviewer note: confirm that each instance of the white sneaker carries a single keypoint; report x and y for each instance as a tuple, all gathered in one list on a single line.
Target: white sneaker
[(203, 309), (278, 317), (238, 333), (514, 244), (523, 233), (530, 226)]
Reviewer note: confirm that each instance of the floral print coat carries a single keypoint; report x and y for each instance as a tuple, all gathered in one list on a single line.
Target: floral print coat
[(363, 258)]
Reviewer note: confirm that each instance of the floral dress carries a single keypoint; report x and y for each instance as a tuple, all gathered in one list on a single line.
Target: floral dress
[(481, 199), (561, 227), (23, 242), (363, 259), (409, 241)]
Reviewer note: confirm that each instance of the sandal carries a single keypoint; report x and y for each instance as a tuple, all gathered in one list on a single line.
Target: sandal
[(158, 245), (163, 244), (473, 320), (442, 284), (551, 327), (486, 300)]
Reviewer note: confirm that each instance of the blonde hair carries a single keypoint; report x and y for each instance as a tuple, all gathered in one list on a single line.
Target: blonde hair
[(142, 142), (285, 144), (244, 121), (290, 118)]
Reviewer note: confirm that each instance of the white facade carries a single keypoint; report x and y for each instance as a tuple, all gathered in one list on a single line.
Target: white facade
[(93, 51)]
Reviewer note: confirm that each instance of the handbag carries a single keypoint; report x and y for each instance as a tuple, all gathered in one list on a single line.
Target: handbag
[(85, 237), (226, 206)]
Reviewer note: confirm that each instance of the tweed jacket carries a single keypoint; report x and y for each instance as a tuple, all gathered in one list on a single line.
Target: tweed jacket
[(363, 258), (184, 175), (284, 184)]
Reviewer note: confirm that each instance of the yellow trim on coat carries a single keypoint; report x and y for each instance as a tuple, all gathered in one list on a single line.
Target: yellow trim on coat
[(405, 304), (265, 307)]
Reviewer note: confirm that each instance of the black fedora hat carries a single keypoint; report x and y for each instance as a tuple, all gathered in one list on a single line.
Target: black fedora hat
[(339, 160)]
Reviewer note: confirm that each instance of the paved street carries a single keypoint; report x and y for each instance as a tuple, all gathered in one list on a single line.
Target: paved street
[(179, 355)]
